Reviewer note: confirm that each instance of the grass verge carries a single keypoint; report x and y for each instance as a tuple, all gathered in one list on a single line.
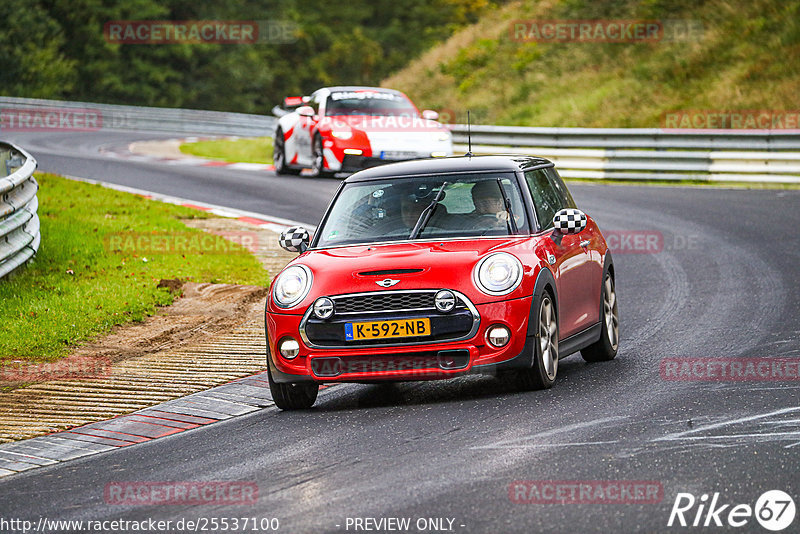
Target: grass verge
[(244, 150), (715, 55), (99, 265)]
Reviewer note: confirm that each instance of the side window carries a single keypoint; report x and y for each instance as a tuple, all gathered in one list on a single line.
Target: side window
[(546, 199), (561, 188)]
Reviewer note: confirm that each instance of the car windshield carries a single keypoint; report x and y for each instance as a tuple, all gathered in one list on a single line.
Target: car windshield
[(394, 209), (370, 103)]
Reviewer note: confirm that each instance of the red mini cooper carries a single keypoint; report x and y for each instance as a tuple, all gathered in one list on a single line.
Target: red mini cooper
[(431, 269)]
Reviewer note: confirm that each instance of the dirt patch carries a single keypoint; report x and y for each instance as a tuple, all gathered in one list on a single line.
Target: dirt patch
[(173, 284), (168, 148), (202, 310)]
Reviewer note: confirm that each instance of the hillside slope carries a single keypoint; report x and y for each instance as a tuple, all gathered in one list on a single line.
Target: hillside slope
[(739, 55)]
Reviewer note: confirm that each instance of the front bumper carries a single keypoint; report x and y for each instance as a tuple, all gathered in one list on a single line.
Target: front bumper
[(414, 360), (352, 163)]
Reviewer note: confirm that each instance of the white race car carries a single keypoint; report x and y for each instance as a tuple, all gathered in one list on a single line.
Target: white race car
[(346, 129)]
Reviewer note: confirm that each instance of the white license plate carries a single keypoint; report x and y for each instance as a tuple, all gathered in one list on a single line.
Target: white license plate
[(399, 154)]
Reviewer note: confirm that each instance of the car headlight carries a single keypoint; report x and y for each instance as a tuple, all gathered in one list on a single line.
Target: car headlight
[(498, 274), (342, 134), (292, 286)]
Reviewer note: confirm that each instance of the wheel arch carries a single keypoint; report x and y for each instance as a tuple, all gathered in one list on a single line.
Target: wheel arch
[(608, 268), (545, 282)]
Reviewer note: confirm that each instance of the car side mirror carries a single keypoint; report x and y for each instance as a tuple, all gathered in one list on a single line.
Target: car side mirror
[(569, 221), (294, 239), (430, 115), (305, 111)]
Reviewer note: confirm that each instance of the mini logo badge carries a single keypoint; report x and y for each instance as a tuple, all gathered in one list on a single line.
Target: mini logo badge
[(387, 283)]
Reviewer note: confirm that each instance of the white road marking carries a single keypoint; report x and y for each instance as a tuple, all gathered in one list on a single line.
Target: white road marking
[(515, 443), (685, 435)]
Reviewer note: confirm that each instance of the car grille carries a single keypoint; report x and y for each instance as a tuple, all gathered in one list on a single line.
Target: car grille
[(458, 324), (389, 302)]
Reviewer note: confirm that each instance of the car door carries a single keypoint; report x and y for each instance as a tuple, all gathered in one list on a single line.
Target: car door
[(589, 270), (569, 260)]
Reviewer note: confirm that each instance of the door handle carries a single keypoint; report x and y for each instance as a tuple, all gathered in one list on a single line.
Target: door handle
[(585, 243)]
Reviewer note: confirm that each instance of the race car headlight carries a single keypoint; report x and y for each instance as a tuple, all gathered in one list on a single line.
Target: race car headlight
[(342, 134), (292, 286), (498, 274)]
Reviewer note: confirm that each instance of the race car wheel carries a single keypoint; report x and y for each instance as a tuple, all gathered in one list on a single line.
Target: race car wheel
[(279, 155), (605, 348), (542, 374), (300, 396), (318, 162)]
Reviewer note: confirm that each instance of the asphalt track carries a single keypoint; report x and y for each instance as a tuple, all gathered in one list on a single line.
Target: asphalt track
[(725, 284)]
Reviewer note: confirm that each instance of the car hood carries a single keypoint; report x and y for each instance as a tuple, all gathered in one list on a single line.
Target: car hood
[(426, 265)]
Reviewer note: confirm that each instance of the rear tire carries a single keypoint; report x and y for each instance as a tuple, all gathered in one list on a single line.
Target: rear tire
[(542, 374), (279, 155), (605, 348), (298, 396)]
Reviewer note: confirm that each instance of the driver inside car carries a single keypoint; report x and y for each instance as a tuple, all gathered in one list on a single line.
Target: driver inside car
[(488, 201)]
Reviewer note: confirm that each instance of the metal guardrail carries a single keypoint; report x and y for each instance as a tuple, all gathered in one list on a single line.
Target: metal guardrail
[(603, 153), (19, 223), (32, 114), (649, 153)]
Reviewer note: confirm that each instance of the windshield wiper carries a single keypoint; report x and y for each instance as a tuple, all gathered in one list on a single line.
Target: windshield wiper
[(426, 214), (511, 223)]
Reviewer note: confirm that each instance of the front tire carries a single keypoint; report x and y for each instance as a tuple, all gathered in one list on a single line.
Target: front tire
[(299, 396), (605, 348), (542, 374), (279, 155), (318, 162)]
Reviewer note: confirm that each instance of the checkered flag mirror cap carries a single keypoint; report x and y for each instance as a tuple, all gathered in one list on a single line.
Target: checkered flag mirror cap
[(295, 239), (569, 221)]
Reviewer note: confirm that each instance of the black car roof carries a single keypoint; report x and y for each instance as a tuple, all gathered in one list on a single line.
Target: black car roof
[(453, 164)]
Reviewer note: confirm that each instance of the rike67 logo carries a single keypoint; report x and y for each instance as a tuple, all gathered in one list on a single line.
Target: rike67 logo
[(774, 510)]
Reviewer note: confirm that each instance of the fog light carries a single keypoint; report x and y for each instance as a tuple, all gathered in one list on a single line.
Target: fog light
[(438, 154), (323, 308), (289, 348), (498, 336), (353, 151)]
